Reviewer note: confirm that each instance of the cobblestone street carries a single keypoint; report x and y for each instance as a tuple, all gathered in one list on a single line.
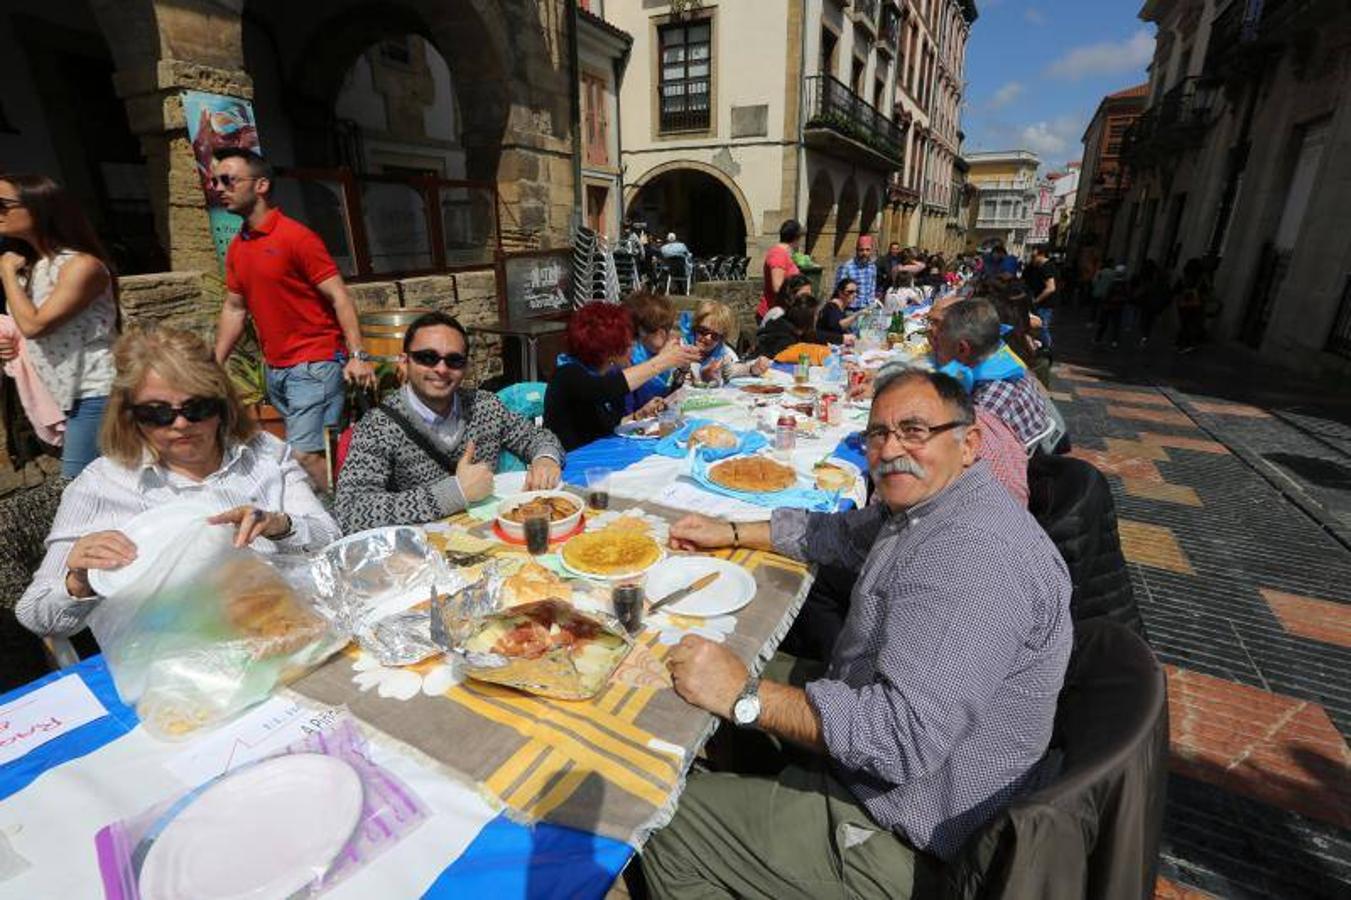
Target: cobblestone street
[(1232, 484)]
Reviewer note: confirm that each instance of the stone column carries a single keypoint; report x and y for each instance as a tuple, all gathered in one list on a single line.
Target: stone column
[(162, 48)]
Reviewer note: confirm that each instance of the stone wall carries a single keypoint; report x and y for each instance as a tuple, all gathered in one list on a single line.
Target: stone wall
[(742, 296), (470, 297)]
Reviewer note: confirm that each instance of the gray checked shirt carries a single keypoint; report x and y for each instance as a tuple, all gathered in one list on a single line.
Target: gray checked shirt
[(940, 694)]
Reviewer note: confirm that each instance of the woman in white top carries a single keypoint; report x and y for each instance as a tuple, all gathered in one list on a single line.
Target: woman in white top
[(175, 430), (708, 329), (902, 292), (61, 295)]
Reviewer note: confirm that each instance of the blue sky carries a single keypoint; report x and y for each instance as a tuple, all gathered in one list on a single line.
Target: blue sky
[(1037, 69)]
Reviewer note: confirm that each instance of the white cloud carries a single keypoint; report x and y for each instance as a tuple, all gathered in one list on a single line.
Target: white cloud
[(1051, 140), (1034, 15), (1006, 94), (1107, 58)]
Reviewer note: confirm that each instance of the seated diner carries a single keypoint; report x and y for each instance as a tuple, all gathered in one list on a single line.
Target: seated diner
[(936, 707), (591, 391), (708, 328), (174, 430), (431, 449)]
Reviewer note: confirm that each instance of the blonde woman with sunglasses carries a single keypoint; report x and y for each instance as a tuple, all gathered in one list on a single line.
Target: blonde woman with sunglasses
[(174, 430)]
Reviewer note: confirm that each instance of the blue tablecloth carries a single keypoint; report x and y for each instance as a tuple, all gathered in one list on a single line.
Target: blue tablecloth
[(615, 453)]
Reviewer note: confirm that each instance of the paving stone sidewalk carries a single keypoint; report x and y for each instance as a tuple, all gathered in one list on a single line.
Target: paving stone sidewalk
[(1233, 486)]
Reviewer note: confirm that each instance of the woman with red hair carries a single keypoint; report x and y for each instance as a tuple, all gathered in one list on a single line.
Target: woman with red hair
[(589, 393)]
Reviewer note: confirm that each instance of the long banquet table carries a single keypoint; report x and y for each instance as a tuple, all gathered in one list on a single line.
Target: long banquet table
[(526, 797)]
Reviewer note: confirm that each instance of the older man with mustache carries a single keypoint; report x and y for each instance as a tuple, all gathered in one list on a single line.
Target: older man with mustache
[(936, 707)]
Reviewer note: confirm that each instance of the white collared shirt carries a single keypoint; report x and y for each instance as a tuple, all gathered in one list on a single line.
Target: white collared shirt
[(261, 473), (448, 429)]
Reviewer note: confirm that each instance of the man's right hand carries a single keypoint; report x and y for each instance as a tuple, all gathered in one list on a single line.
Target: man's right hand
[(696, 532), (476, 479), (100, 550)]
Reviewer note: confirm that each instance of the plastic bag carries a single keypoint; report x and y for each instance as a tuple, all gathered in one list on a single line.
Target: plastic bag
[(200, 630), (293, 824)]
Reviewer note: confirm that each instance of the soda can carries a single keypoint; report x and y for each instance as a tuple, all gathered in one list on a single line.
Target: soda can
[(824, 405)]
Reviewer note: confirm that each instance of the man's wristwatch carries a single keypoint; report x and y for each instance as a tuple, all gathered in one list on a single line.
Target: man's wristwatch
[(362, 356), (746, 710)]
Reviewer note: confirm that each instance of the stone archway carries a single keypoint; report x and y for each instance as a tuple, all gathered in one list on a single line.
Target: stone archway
[(698, 202), (820, 205), (635, 186), (867, 218), (846, 215), (315, 65)]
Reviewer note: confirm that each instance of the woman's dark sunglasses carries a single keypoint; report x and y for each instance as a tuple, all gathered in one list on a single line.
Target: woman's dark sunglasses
[(162, 415), (702, 332), (429, 359)]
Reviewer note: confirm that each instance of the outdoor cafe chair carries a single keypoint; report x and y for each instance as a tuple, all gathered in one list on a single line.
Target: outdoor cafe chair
[(1072, 502), (1092, 832)]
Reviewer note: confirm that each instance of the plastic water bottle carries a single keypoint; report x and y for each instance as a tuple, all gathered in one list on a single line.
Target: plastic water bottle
[(834, 369)]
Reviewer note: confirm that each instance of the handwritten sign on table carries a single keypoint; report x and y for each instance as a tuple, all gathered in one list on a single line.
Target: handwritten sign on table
[(45, 714), (262, 731)]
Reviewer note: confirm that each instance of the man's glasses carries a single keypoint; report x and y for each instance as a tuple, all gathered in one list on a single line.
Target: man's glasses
[(162, 415), (702, 332), (229, 181), (911, 435), (429, 359)]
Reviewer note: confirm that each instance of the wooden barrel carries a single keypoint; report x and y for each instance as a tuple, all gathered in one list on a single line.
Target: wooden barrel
[(382, 331)]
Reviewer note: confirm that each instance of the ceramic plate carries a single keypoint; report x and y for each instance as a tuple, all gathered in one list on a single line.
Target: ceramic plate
[(267, 830), (733, 590)]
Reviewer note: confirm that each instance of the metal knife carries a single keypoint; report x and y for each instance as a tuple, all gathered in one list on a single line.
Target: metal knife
[(697, 585)]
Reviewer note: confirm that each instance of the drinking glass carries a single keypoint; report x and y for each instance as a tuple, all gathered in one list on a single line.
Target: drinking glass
[(598, 489), (537, 535)]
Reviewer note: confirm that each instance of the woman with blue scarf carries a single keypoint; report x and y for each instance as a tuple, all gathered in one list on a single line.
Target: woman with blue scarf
[(708, 329), (591, 391)]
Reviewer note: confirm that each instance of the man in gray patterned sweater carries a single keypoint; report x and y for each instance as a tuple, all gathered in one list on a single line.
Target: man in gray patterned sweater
[(431, 450)]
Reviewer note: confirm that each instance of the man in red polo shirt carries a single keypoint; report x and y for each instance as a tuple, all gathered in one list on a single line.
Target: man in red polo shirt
[(279, 272)]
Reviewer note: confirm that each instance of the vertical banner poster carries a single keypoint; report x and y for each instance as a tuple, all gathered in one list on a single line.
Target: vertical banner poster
[(215, 122)]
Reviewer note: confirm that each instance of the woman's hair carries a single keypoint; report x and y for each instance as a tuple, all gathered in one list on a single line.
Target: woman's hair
[(650, 312), (184, 360), (791, 285), (802, 316), (715, 315), (57, 217), (598, 332), (844, 282), (901, 278)]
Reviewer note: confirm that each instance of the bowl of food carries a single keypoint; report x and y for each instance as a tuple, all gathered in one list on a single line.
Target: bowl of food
[(563, 509)]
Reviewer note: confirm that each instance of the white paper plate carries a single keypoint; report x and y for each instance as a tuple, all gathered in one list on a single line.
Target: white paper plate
[(158, 532), (733, 590), (266, 831)]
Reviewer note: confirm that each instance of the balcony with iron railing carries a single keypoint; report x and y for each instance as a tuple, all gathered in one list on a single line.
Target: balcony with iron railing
[(1248, 33), (1178, 121), (841, 122)]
